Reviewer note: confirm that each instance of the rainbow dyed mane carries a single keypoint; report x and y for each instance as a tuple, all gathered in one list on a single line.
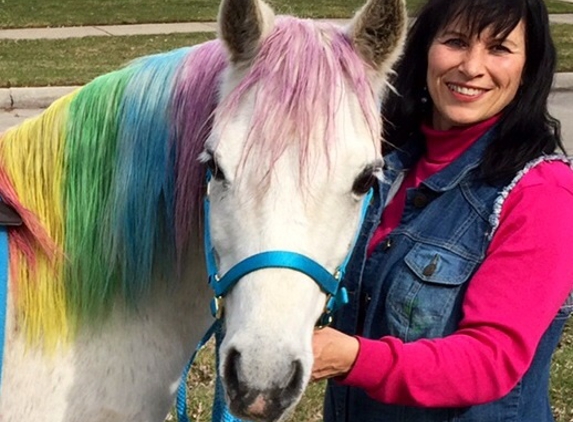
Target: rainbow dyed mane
[(108, 180)]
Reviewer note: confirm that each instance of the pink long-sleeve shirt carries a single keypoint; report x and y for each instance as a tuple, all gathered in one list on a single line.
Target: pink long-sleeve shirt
[(511, 300)]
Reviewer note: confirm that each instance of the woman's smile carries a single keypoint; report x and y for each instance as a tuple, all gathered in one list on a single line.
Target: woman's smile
[(465, 93)]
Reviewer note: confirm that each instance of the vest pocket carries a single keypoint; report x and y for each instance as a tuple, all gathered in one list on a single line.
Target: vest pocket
[(426, 300)]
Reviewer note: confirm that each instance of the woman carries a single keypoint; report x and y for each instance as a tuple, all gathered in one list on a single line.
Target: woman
[(460, 283)]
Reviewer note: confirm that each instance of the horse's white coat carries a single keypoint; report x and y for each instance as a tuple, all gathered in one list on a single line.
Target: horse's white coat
[(126, 370)]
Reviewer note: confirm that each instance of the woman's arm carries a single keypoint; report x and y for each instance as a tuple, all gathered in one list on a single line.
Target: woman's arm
[(509, 304)]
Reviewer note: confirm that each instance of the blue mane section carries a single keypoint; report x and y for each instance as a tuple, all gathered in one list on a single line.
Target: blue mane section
[(144, 200)]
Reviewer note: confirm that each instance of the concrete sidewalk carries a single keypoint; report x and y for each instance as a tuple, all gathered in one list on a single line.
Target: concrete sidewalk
[(41, 97), (119, 30), (152, 29)]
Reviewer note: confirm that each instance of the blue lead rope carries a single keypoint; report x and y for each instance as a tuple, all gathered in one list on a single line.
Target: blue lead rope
[(3, 292), (220, 412), (181, 401)]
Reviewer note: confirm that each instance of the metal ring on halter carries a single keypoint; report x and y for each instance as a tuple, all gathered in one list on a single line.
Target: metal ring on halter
[(208, 188), (325, 318), (338, 274), (217, 306)]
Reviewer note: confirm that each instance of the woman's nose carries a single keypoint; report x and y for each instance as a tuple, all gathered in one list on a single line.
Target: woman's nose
[(472, 63)]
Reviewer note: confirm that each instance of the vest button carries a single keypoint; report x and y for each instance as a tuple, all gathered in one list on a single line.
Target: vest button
[(420, 200), (429, 270), (387, 244)]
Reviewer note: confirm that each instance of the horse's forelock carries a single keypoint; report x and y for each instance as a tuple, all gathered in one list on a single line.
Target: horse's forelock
[(295, 79)]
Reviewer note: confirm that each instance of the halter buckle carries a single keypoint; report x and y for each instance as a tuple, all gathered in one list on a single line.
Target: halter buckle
[(338, 274), (217, 306)]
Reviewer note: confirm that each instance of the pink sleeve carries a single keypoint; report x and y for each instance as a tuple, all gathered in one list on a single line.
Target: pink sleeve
[(510, 302)]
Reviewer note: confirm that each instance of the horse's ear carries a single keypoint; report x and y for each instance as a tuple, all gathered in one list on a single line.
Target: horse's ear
[(243, 24), (378, 31)]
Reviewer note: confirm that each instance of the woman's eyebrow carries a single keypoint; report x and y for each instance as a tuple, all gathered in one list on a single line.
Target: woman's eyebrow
[(452, 32)]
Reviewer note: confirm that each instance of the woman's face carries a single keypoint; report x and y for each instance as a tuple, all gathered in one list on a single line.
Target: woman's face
[(473, 79)]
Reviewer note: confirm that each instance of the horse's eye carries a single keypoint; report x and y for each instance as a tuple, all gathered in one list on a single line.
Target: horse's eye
[(215, 170), (364, 181)]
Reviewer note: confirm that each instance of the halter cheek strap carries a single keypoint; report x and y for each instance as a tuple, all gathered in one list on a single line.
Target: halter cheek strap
[(329, 283)]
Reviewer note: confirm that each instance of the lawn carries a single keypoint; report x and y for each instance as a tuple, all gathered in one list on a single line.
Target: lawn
[(34, 13), (76, 61), (562, 378), (563, 36), (557, 6), (52, 13)]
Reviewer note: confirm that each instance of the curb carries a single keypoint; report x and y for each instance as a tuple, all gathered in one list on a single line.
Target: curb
[(28, 98), (161, 28), (563, 82), (42, 97)]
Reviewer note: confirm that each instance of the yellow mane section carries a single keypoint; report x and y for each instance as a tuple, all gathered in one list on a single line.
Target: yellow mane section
[(33, 157)]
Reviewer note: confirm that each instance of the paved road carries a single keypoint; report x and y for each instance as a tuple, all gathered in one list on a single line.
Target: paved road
[(14, 117), (561, 105)]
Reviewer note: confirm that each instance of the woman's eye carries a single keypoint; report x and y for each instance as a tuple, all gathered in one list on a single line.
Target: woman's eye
[(500, 49), (215, 170), (364, 182), (455, 42)]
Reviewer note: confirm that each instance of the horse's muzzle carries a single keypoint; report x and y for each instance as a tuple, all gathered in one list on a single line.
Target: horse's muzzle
[(258, 405)]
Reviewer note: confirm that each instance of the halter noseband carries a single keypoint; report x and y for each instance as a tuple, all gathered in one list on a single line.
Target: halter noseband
[(328, 283)]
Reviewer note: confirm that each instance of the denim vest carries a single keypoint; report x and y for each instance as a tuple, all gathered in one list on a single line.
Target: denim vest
[(414, 283)]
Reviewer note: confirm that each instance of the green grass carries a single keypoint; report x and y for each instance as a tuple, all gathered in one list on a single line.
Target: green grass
[(562, 377), (563, 37), (76, 61), (53, 13), (553, 6), (557, 6), (201, 383), (34, 13)]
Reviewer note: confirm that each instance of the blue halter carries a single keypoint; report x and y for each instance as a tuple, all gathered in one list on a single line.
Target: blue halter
[(329, 283)]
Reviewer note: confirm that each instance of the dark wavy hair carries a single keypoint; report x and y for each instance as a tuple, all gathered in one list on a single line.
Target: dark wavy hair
[(526, 129)]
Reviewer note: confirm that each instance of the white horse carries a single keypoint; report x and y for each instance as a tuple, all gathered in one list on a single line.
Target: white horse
[(108, 294)]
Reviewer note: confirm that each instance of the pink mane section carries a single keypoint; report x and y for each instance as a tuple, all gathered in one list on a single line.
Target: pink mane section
[(195, 99), (31, 233), (296, 79)]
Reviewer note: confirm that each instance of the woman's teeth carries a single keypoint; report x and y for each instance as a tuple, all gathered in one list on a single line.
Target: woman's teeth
[(470, 92)]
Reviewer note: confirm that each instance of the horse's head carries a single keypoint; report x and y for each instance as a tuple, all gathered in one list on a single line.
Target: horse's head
[(294, 149)]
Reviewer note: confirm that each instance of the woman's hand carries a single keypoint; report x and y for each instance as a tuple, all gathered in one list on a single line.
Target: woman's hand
[(334, 353)]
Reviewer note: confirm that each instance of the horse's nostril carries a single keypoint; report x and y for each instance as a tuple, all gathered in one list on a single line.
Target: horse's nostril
[(232, 367), (295, 383)]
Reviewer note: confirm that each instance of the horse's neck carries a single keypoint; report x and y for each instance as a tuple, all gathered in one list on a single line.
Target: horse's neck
[(126, 368)]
